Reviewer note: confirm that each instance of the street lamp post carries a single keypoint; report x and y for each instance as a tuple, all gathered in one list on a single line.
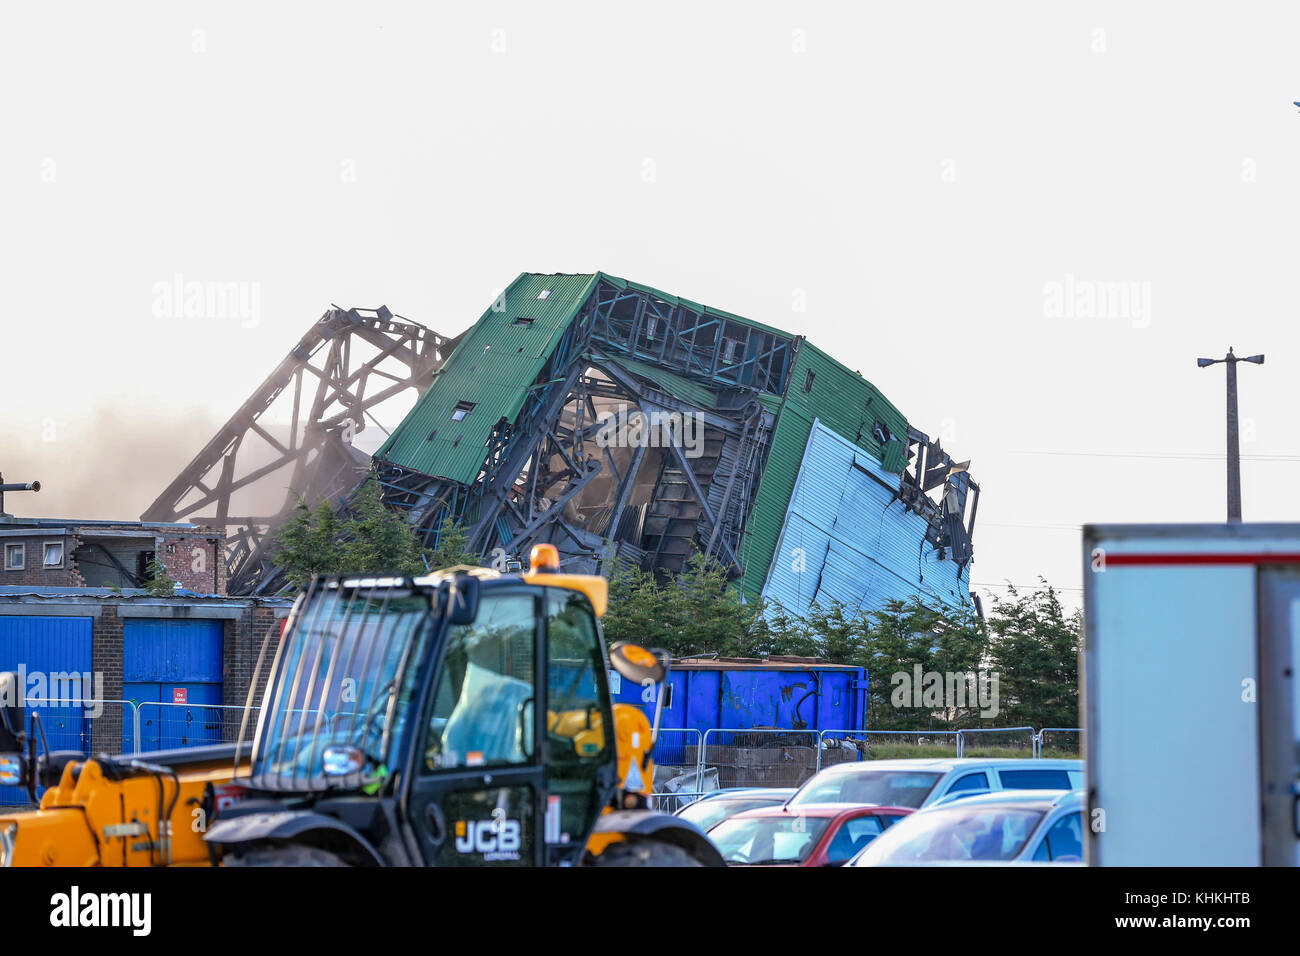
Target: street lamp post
[(1234, 450)]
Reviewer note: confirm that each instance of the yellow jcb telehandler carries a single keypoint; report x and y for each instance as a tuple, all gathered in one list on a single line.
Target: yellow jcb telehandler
[(463, 718)]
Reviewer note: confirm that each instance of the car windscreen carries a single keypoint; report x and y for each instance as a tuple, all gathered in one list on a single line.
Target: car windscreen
[(953, 835), (756, 841), (895, 788), (706, 813), (344, 678)]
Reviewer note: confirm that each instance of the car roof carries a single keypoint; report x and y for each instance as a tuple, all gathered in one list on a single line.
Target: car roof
[(828, 810), (1017, 799), (776, 793), (945, 764)]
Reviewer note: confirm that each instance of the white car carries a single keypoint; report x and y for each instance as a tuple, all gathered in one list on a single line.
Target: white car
[(1009, 827), (921, 782)]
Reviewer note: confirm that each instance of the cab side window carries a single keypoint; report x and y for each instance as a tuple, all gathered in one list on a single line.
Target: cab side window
[(483, 709), (578, 719)]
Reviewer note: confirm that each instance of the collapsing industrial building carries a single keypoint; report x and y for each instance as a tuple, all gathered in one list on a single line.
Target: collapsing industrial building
[(620, 422)]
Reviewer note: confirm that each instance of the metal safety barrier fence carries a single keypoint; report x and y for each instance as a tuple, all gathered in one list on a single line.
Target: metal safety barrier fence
[(841, 746), (1061, 741), (766, 757), (679, 778), (998, 742), (760, 757), (86, 725), (165, 725)]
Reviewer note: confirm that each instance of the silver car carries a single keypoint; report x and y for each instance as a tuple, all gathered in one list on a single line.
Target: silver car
[(713, 808), (1013, 826), (917, 782)]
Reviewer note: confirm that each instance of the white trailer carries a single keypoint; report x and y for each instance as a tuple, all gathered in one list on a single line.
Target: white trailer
[(1191, 716)]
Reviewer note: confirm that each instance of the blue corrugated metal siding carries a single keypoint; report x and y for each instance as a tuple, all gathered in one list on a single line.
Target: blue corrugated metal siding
[(161, 657), (45, 650), (847, 539)]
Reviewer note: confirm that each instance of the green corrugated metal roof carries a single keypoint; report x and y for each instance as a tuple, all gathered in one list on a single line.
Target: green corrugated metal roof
[(493, 367), (844, 401), (895, 456)]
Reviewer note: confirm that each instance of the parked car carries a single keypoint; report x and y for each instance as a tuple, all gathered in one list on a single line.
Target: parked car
[(811, 835), (714, 807), (917, 782), (1012, 826)]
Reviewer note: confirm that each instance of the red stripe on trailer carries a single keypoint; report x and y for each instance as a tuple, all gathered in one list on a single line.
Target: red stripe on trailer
[(1112, 560)]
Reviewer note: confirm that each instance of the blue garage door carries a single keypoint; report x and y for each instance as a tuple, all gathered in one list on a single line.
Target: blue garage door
[(49, 653), (171, 669)]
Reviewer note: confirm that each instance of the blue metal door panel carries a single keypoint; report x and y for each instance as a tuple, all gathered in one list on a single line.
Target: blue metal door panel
[(167, 650), (49, 653), (145, 695), (190, 724), (162, 657)]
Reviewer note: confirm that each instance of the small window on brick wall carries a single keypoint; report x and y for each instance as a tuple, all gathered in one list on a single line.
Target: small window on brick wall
[(53, 555), (15, 557)]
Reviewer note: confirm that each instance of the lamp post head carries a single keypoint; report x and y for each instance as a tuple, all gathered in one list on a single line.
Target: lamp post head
[(1230, 359)]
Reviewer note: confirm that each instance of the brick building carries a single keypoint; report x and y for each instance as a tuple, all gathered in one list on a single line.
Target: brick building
[(111, 668), (72, 553), (174, 671)]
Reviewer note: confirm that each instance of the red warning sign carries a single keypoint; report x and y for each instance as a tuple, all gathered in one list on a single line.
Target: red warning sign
[(180, 695)]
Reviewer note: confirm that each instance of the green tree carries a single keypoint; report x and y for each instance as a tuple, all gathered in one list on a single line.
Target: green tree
[(1035, 652), (308, 544), (698, 612), (375, 538), (158, 583), (1028, 641), (775, 631), (907, 638), (452, 548), (368, 538)]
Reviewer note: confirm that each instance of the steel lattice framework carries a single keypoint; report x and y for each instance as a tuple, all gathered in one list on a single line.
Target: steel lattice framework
[(536, 469), (349, 363), (510, 439)]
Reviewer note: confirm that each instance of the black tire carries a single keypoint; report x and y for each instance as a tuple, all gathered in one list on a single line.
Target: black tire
[(645, 853), (290, 855)]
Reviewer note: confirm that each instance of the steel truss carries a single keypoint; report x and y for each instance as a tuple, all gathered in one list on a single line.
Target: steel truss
[(247, 458), (548, 477)]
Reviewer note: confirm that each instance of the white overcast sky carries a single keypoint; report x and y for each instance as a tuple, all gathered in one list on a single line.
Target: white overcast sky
[(918, 175)]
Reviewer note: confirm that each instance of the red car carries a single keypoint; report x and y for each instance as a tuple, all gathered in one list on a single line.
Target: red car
[(811, 834)]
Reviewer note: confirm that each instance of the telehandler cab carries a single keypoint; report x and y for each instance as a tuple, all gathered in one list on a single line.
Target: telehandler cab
[(462, 718)]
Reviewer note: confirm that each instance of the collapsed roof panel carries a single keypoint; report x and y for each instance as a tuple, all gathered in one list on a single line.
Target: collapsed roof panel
[(487, 378), (849, 404), (847, 537), (711, 416)]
